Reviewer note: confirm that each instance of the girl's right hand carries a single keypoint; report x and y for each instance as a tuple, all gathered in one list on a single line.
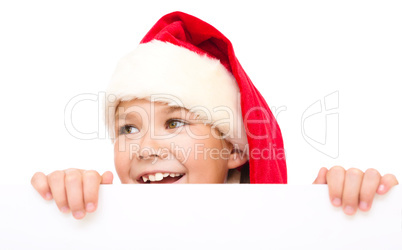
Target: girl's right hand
[(74, 190)]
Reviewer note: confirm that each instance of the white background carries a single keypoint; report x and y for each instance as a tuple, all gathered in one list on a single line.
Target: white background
[(295, 52)]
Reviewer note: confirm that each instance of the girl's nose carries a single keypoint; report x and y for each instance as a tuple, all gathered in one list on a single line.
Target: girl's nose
[(148, 153), (152, 148)]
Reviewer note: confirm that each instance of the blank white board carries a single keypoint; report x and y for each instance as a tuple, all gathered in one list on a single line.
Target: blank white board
[(200, 217)]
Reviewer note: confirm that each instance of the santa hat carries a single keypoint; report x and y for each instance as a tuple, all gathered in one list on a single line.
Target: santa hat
[(184, 61)]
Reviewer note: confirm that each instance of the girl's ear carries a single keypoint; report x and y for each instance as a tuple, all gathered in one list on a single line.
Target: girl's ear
[(237, 158)]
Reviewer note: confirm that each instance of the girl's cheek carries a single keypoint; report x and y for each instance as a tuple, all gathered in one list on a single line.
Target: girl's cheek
[(122, 166)]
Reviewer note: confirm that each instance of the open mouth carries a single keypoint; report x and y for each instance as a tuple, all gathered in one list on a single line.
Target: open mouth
[(160, 178)]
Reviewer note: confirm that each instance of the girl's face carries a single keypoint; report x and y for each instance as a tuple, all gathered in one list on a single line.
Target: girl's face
[(157, 143)]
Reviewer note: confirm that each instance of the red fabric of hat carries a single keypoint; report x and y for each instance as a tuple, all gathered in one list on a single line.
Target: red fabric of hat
[(267, 162)]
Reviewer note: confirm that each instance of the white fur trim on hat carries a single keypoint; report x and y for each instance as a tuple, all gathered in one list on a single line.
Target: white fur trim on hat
[(179, 77)]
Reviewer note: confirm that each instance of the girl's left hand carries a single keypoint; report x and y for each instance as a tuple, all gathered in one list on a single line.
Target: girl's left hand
[(354, 188)]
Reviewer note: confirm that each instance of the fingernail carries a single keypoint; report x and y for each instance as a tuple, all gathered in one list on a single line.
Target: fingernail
[(349, 210), (48, 196), (381, 188), (90, 207), (363, 205), (65, 209), (78, 214), (336, 202)]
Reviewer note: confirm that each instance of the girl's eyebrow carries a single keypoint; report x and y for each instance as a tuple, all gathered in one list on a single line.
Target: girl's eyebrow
[(167, 110), (174, 109), (123, 116), (194, 118), (119, 116)]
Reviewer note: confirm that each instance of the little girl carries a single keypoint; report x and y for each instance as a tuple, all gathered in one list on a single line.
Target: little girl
[(181, 109)]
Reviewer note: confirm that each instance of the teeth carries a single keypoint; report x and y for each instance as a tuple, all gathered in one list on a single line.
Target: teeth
[(159, 176)]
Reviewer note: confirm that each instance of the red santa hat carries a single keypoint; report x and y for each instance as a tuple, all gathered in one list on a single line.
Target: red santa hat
[(184, 61)]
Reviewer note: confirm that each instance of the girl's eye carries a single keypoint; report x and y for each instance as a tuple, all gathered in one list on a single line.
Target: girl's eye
[(171, 124), (128, 129)]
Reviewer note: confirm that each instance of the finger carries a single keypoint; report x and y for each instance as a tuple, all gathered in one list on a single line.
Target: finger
[(56, 183), (74, 192), (386, 183), (322, 176), (39, 182), (107, 178), (351, 190), (335, 180), (91, 182), (370, 183)]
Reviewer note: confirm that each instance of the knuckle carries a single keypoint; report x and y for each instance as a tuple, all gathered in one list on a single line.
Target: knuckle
[(372, 172), (70, 169), (337, 166), (35, 178), (55, 176), (354, 172), (335, 170), (39, 183), (390, 177), (73, 176), (92, 174)]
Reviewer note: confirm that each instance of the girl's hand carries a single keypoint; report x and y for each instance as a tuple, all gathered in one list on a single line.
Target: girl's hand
[(74, 190), (354, 188)]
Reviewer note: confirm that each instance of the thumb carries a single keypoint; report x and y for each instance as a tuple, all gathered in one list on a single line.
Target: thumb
[(107, 178), (322, 176)]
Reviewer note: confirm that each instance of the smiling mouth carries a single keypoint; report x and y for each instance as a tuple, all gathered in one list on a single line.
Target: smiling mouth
[(160, 178)]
